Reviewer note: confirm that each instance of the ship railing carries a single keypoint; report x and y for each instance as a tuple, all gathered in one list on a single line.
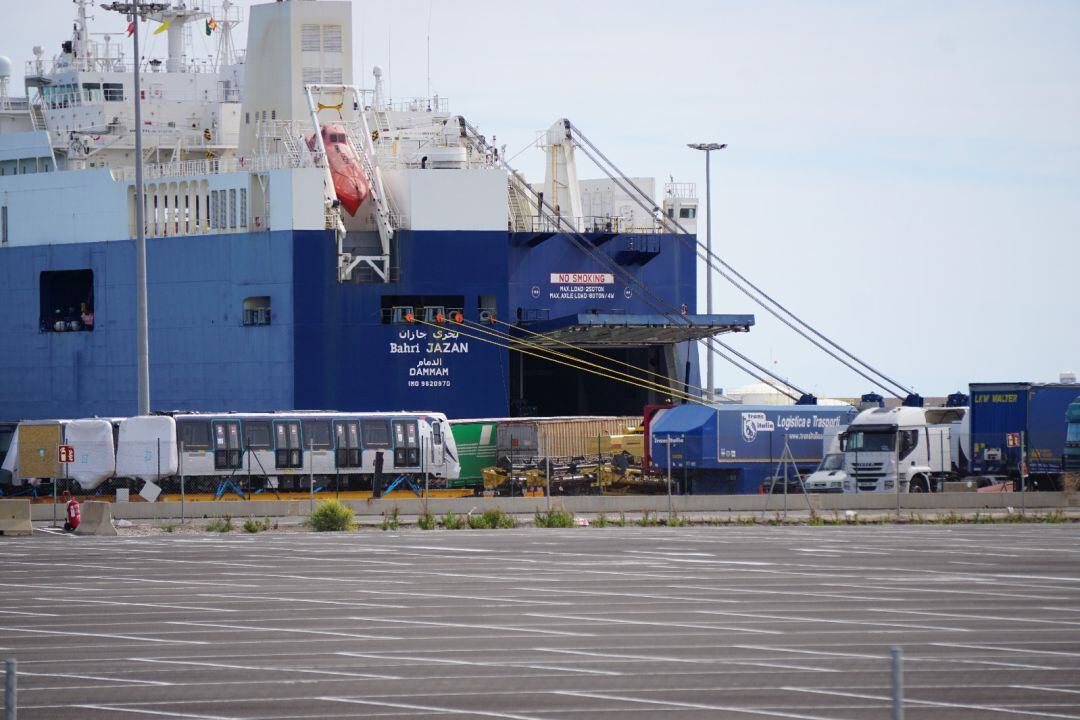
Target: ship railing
[(685, 190), (210, 166), (416, 104), (14, 104)]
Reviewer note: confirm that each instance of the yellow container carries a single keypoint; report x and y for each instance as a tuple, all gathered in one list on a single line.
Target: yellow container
[(615, 444), (577, 437)]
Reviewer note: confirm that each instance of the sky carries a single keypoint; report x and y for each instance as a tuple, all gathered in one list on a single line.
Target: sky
[(904, 175)]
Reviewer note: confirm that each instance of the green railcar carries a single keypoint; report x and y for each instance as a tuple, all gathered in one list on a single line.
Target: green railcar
[(476, 446)]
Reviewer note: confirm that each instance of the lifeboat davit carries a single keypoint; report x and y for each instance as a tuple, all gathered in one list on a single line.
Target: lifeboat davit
[(350, 182)]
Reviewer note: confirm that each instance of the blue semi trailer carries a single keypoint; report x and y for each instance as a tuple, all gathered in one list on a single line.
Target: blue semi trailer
[(1032, 412), (735, 448)]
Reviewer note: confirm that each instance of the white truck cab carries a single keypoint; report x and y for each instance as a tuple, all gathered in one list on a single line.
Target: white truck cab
[(830, 476), (906, 449)]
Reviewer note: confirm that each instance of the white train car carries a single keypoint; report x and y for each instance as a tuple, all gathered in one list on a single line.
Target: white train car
[(289, 449)]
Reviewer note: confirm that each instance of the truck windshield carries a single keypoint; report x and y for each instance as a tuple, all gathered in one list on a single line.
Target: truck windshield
[(834, 461), (1072, 436), (877, 441)]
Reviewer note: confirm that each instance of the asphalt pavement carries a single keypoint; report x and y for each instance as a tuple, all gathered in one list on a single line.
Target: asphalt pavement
[(702, 622)]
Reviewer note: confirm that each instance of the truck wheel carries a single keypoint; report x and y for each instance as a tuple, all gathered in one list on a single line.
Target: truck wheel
[(918, 485)]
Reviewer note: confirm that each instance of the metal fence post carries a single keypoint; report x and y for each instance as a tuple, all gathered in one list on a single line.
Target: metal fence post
[(1023, 476), (897, 683), (55, 482), (785, 480), (10, 691), (897, 481), (311, 476), (181, 482), (547, 480), (669, 508), (158, 478)]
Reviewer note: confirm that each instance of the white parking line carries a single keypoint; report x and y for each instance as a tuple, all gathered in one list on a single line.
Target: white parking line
[(795, 618), (430, 708), (311, 671), (95, 677), (255, 628), (656, 623), (1047, 689), (476, 663), (158, 713), (1023, 651), (695, 661), (79, 633), (934, 703), (824, 653), (691, 706), (467, 626)]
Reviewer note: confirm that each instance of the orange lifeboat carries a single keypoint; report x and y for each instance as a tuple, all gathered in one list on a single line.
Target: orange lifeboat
[(350, 182)]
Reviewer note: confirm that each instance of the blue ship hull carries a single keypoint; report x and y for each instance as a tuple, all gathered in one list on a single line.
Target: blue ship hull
[(328, 345)]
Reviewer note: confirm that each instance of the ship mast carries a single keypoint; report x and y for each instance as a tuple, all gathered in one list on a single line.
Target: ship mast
[(226, 49)]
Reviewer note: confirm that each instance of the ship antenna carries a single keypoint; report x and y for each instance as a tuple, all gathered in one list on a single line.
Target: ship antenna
[(429, 53)]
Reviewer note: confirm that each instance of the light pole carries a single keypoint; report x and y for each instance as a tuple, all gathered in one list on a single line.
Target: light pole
[(708, 148), (138, 11)]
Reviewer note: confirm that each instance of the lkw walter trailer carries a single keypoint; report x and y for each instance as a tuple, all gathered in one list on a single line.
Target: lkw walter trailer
[(1011, 422)]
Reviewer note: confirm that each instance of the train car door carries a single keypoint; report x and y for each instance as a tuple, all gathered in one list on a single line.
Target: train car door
[(406, 444), (438, 452), (288, 453), (347, 442), (227, 449)]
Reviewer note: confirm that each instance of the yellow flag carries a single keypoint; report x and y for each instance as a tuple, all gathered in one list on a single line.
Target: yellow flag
[(162, 28)]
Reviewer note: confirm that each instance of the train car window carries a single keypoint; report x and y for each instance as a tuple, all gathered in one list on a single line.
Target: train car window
[(317, 434), (287, 436), (194, 434), (406, 444), (347, 436), (257, 434), (227, 453), (436, 431), (376, 433)]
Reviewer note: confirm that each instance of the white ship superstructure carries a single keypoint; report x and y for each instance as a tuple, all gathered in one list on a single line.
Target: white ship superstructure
[(245, 152)]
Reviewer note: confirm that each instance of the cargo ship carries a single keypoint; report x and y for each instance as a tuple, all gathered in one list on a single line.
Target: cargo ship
[(307, 235)]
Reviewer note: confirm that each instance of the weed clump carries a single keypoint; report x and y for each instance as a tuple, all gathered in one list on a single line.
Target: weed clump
[(450, 521), (253, 526), (426, 521), (676, 520), (168, 527), (494, 519), (390, 520), (554, 519), (601, 521), (331, 516), (220, 525), (647, 520)]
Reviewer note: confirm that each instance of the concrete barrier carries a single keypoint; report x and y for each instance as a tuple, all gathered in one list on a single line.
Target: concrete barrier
[(609, 504), (96, 519), (15, 517)]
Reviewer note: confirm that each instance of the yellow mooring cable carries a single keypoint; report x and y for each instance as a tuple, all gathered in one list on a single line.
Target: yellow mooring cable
[(667, 390), (586, 350)]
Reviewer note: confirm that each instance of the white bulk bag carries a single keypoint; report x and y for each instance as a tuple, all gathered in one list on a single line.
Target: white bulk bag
[(95, 455), (137, 448)]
